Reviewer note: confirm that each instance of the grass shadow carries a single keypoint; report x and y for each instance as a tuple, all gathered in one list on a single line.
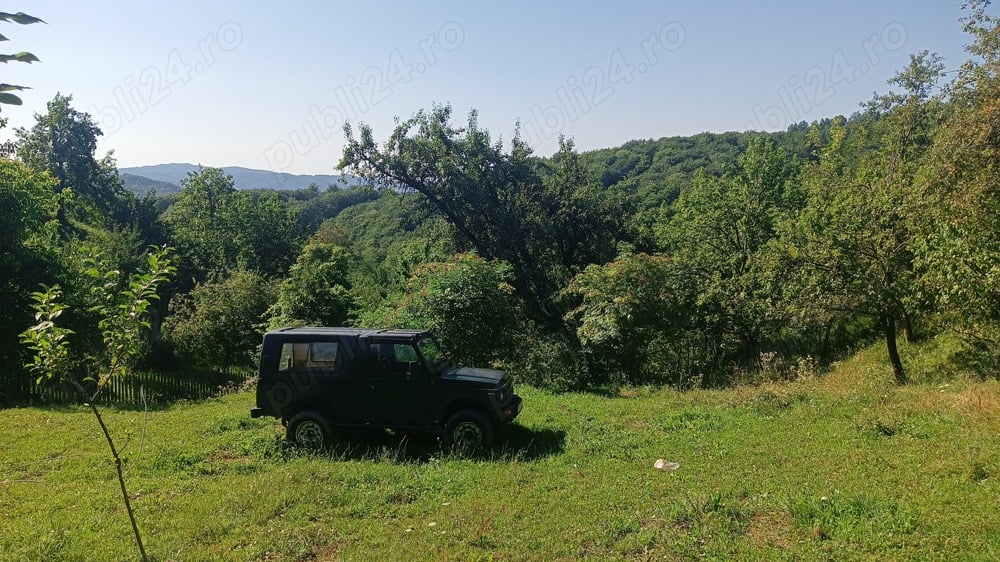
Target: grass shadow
[(979, 358), (515, 443)]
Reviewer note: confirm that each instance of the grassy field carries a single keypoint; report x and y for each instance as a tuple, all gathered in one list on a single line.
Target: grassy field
[(842, 467)]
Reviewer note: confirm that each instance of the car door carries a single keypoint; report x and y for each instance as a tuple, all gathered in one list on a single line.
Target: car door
[(401, 388)]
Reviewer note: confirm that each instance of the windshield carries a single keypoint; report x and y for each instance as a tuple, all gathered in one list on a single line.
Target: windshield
[(432, 354)]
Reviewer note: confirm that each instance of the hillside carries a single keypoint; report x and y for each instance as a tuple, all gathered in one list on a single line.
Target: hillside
[(655, 171), (845, 466), (243, 178), (142, 185)]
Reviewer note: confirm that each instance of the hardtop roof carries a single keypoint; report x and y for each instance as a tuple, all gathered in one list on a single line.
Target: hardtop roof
[(364, 333)]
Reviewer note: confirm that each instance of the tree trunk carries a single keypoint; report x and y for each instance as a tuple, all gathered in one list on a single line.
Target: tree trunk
[(118, 467), (121, 481), (908, 332), (889, 329), (824, 346)]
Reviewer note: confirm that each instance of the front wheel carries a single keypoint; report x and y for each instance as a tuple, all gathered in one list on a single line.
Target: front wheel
[(309, 429), (468, 431)]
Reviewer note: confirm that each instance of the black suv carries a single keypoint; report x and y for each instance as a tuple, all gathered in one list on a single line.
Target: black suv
[(318, 379)]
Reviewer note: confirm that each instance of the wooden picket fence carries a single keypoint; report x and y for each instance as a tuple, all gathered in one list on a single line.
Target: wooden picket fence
[(143, 387)]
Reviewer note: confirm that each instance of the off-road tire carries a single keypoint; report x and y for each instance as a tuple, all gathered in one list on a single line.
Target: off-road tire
[(310, 430), (468, 431)]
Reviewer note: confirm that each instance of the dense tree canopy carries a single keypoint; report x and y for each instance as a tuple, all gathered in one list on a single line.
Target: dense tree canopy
[(219, 229), (680, 260), (505, 205), (219, 323), (317, 290), (466, 300), (64, 142)]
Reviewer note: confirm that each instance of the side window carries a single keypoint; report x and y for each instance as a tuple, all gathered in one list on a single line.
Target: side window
[(405, 353), (323, 353), (394, 358), (304, 355), (285, 359)]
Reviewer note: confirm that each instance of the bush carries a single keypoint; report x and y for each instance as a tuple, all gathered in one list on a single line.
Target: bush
[(219, 324), (546, 361), (627, 309), (467, 301), (317, 292)]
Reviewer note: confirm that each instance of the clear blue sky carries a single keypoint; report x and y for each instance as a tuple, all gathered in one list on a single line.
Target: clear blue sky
[(269, 85)]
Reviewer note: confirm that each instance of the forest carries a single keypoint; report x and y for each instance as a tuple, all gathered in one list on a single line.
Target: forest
[(688, 262)]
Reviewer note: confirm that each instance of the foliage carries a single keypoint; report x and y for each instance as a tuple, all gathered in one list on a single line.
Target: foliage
[(778, 248), (197, 222), (265, 232), (63, 142), (546, 360), (505, 205), (958, 203), (853, 241), (30, 256), (719, 234), (121, 304), (316, 291), (467, 301), (217, 228), (219, 324), (627, 311), (6, 97), (28, 201), (656, 172), (314, 207), (394, 234), (47, 339)]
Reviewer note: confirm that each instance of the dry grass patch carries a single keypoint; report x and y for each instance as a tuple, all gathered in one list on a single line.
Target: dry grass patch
[(979, 400), (771, 529)]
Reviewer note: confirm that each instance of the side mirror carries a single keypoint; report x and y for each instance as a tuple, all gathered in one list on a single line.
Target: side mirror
[(415, 370)]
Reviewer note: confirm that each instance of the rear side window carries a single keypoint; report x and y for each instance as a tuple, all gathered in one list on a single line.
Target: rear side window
[(323, 352), (306, 355)]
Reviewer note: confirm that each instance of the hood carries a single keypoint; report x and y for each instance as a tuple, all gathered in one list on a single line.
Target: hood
[(474, 374)]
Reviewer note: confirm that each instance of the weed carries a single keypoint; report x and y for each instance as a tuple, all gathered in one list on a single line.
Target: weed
[(688, 420), (977, 471), (861, 518)]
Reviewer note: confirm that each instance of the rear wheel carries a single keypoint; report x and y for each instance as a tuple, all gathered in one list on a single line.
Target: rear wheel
[(309, 429), (468, 431)]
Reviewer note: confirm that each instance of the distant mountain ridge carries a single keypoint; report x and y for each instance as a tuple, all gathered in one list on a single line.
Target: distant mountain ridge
[(243, 178)]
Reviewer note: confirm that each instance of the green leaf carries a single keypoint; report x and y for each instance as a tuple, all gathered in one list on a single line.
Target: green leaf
[(21, 18), (23, 56)]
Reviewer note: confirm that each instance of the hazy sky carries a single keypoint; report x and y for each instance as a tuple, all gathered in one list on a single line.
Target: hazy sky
[(269, 85)]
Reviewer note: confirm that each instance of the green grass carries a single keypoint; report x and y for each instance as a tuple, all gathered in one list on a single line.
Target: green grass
[(844, 466)]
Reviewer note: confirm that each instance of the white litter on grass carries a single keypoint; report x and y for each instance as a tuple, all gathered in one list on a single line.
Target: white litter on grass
[(661, 464), (431, 524)]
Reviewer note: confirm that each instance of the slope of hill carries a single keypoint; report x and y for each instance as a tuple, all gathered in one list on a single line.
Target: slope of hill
[(142, 185), (243, 178), (656, 171)]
